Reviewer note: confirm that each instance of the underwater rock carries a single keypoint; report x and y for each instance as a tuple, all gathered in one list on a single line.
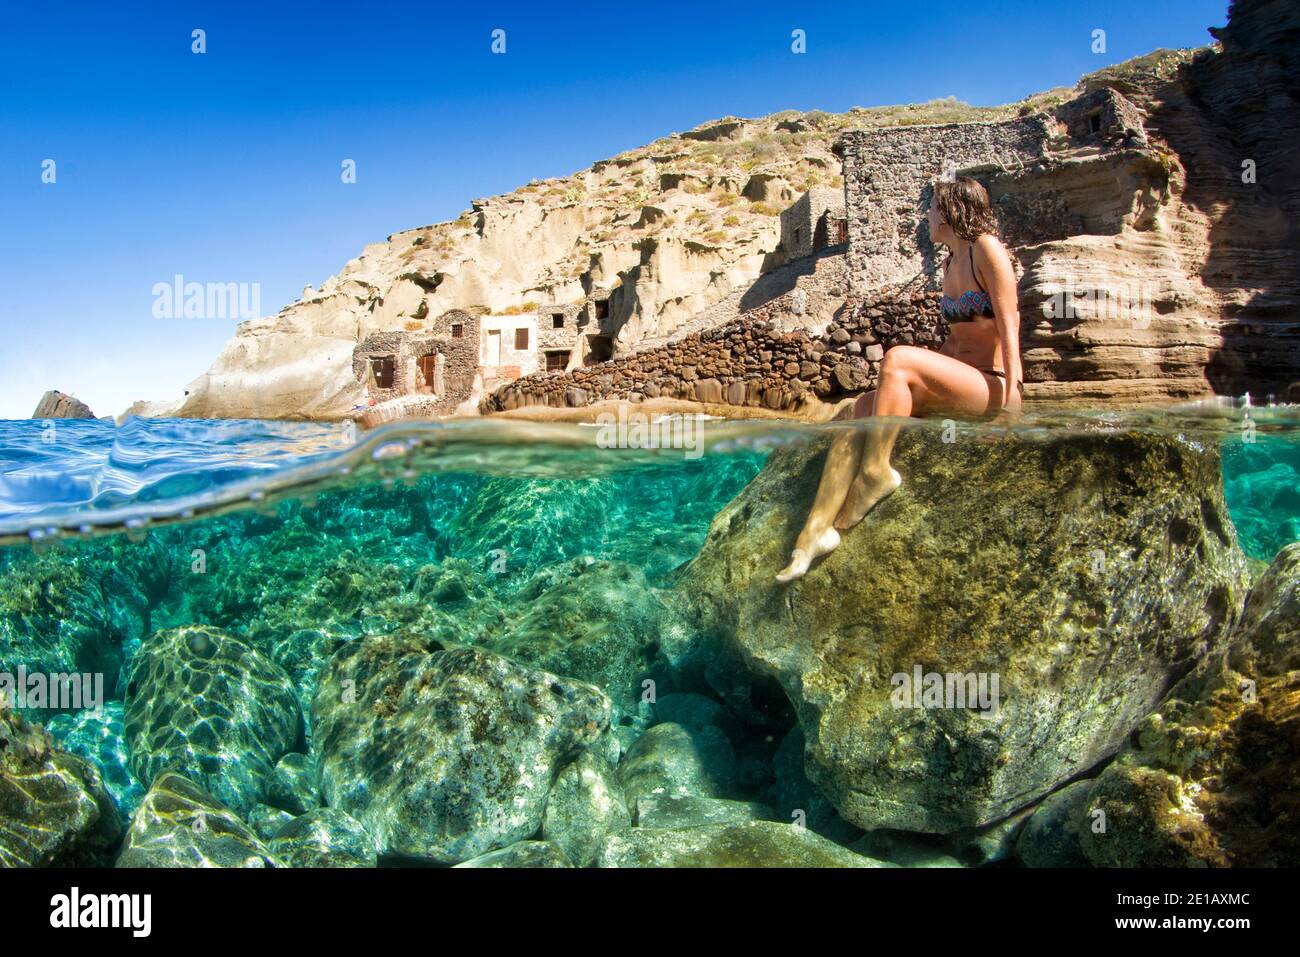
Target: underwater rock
[(1050, 838), (178, 824), (444, 755), (905, 849), (324, 837), (1267, 638), (523, 523), (585, 804), (303, 654), (1262, 487), (992, 844), (1209, 779), (522, 854), (748, 844), (1084, 572), (206, 705), (266, 821), (672, 760), (606, 625), (690, 810), (57, 618), (795, 797), (100, 738), (295, 784), (54, 809)]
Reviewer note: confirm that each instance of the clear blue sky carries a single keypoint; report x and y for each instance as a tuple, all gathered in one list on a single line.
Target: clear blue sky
[(225, 167)]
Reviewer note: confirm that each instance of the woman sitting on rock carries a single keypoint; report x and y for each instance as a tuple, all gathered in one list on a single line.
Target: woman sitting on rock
[(975, 374)]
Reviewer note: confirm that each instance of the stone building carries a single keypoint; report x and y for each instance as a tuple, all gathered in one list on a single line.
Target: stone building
[(889, 174), (508, 347), (440, 363), (815, 221), (575, 334)]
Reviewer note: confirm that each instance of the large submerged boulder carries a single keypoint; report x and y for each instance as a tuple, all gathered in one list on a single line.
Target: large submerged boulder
[(178, 824), (1086, 573), (208, 706), (1209, 777), (736, 844), (54, 809), (446, 754)]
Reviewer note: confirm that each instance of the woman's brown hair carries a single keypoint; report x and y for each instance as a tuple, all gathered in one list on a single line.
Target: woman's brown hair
[(964, 205)]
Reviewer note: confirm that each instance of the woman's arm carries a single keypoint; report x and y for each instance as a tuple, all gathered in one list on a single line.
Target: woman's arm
[(999, 278)]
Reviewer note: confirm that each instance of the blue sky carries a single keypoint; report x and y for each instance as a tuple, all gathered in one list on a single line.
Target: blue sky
[(224, 167)]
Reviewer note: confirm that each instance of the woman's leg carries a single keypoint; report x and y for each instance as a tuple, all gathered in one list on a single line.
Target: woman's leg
[(913, 382), (843, 463)]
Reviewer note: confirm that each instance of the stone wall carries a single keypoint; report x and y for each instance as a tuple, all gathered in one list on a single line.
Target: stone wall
[(749, 362), (888, 176), (805, 225), (456, 365), (551, 338)]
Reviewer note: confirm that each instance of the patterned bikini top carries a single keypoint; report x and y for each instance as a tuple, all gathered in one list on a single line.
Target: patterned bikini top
[(970, 305)]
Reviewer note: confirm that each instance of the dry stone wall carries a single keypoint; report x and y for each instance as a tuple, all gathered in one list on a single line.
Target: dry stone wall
[(750, 362)]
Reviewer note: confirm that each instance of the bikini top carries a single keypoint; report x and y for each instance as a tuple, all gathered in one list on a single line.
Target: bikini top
[(971, 304)]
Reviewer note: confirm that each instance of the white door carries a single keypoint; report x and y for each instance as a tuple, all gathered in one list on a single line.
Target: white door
[(493, 347)]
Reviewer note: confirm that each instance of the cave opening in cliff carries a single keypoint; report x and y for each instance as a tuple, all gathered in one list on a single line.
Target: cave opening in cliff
[(602, 309), (599, 349)]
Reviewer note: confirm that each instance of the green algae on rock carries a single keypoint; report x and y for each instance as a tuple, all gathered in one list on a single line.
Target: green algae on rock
[(522, 854), (324, 837), (670, 759), (745, 844), (207, 705), (690, 810), (61, 616), (54, 809), (178, 824), (1087, 571), (605, 625), (446, 754), (1209, 779), (585, 803)]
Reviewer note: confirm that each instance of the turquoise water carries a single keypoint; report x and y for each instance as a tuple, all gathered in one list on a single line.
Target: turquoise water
[(527, 541)]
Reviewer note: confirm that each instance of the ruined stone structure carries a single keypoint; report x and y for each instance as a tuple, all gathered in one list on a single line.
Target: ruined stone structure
[(751, 362), (815, 221), (438, 365), (1155, 262), (435, 370)]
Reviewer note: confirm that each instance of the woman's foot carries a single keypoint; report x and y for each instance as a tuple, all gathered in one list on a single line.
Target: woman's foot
[(802, 558), (866, 491)]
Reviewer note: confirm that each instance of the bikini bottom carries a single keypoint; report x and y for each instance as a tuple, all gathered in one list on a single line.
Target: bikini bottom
[(1002, 375)]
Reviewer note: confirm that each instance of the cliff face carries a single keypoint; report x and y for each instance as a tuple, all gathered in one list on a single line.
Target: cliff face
[(1152, 212), (673, 227), (1207, 257)]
